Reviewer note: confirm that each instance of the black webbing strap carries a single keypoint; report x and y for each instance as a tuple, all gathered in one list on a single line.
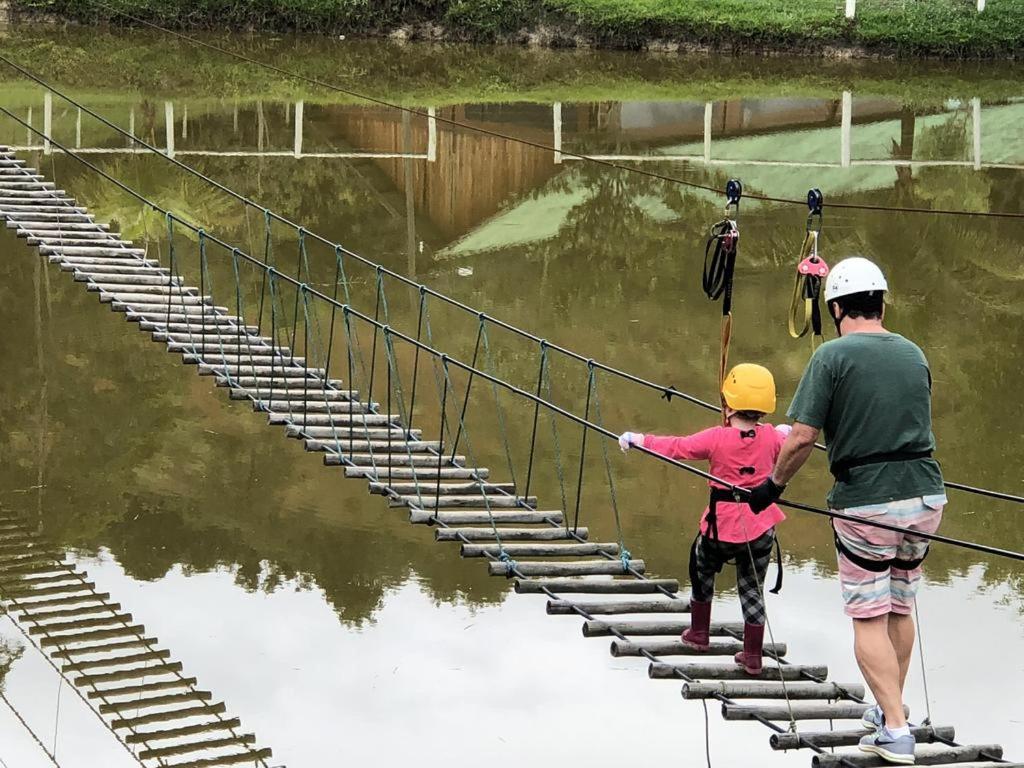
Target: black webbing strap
[(875, 566), (841, 469)]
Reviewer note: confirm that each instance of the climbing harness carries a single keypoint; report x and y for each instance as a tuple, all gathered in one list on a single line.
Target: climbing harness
[(720, 265), (805, 306), (716, 496), (875, 566)]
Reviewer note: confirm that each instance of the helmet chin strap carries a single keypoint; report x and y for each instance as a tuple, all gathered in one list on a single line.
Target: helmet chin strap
[(842, 315)]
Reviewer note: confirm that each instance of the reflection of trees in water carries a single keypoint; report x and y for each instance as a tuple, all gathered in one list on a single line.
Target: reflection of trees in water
[(10, 651)]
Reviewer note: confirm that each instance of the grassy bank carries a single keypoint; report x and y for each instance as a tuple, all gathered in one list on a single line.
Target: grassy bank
[(948, 28)]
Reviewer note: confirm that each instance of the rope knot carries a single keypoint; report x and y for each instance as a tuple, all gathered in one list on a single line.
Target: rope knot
[(626, 558), (510, 564), (669, 393)]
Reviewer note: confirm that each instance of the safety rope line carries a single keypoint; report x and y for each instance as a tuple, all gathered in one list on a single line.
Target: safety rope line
[(996, 551), (469, 386), (394, 376), (924, 670), (416, 355), (583, 451), (502, 427), (667, 392), (624, 554), (50, 755), (519, 140), (556, 443)]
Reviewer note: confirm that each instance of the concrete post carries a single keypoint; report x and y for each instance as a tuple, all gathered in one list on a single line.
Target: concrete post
[(976, 126), (709, 110), (47, 121), (846, 130), (169, 127), (299, 107), (431, 135), (556, 117)]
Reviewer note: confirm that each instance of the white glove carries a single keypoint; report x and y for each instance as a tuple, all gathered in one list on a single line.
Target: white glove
[(628, 439), (784, 429)]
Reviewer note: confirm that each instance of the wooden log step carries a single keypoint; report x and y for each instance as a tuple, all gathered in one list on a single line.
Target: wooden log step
[(357, 428), (174, 301), (226, 354), (596, 586), (176, 326), (149, 702), (128, 673), (131, 723), (64, 626), (157, 308), (14, 182), (828, 739), (20, 593), (380, 448), (341, 417), (802, 710), (26, 205), (63, 640), (250, 756), (617, 607), (184, 319), (57, 226), (134, 690), (539, 550), (90, 250), (679, 648), (29, 607), (763, 689), (145, 737), (509, 534), (99, 282), (35, 579), (124, 662), (277, 395), (239, 370), (211, 340), (197, 746), (113, 272), (192, 334), (447, 489), (164, 290), (497, 501), (597, 628), (98, 238), (425, 475), (72, 613), (381, 459), (478, 517), (660, 670), (30, 564), (567, 568), (934, 755), (31, 190), (284, 382), (121, 645), (70, 263)]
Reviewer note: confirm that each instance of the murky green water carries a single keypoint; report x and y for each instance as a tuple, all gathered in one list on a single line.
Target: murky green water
[(319, 615)]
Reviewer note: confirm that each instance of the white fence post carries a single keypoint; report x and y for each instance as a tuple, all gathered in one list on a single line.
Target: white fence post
[(709, 108), (169, 127), (981, 5), (851, 8), (431, 135), (976, 126), (47, 121), (78, 129), (846, 130), (556, 118), (299, 110)]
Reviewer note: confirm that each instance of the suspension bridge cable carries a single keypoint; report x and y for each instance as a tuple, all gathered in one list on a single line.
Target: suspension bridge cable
[(666, 392), (275, 274), (528, 142)]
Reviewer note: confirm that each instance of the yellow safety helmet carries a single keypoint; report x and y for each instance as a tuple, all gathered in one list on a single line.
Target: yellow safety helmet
[(750, 387)]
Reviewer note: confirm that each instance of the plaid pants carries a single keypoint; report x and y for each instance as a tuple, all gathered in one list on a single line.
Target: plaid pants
[(710, 557)]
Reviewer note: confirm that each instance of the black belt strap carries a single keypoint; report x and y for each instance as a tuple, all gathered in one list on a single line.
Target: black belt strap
[(841, 469), (876, 566)]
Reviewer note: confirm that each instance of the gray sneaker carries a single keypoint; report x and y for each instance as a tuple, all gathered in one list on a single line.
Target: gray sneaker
[(873, 718), (893, 749)]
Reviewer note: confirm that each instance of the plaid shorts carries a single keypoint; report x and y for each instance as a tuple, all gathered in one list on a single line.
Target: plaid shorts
[(871, 593)]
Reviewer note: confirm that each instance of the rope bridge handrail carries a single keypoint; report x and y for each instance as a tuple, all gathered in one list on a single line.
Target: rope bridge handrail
[(666, 391)]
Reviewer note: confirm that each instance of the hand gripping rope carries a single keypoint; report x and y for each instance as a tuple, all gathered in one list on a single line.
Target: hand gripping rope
[(719, 266), (810, 271)]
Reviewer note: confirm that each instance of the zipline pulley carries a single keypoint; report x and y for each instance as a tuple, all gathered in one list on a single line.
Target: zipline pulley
[(810, 271)]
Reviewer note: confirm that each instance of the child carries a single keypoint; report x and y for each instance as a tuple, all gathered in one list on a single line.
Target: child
[(743, 454)]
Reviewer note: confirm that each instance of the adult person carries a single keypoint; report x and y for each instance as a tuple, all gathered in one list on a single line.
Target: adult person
[(870, 391)]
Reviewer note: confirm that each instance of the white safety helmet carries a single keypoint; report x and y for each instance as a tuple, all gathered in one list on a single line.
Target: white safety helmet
[(854, 275)]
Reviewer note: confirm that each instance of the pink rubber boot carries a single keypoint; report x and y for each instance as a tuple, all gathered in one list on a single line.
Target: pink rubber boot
[(700, 622)]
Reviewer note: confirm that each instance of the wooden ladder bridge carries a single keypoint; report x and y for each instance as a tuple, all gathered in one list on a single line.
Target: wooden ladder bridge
[(487, 519)]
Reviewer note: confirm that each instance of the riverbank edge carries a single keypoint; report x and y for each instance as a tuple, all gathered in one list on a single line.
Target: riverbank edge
[(557, 30)]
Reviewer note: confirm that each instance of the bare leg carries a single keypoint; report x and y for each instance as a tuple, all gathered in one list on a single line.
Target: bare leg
[(901, 634), (881, 668)]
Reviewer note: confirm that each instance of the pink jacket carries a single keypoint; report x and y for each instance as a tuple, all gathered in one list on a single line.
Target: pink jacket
[(731, 450)]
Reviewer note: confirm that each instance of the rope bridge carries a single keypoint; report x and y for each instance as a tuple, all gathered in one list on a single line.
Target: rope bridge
[(286, 363)]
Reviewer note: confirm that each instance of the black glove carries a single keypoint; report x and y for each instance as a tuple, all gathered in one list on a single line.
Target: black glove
[(764, 495)]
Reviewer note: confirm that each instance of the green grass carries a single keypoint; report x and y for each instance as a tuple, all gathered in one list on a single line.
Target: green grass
[(949, 28)]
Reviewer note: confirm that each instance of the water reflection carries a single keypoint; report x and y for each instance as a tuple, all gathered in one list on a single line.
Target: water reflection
[(206, 515)]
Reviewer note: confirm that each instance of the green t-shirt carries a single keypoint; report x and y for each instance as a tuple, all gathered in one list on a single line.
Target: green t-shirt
[(871, 394)]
